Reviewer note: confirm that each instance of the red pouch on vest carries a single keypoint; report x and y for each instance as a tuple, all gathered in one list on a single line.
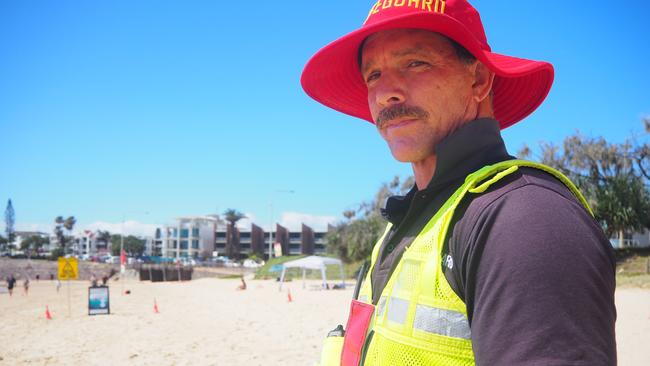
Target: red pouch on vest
[(355, 332)]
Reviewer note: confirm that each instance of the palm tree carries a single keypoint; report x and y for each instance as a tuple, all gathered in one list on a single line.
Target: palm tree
[(232, 242), (67, 224), (58, 231), (104, 237)]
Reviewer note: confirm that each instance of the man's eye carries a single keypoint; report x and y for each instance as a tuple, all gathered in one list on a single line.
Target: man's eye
[(372, 76), (416, 63)]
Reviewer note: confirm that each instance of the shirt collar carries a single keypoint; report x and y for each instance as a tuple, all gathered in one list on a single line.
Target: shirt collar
[(471, 147)]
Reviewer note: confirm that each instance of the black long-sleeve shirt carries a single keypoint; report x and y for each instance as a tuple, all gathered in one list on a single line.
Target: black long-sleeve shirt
[(533, 267)]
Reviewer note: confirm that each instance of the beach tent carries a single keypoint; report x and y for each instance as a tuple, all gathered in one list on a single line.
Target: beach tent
[(312, 262)]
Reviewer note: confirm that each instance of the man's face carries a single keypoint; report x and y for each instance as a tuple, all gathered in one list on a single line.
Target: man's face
[(419, 91)]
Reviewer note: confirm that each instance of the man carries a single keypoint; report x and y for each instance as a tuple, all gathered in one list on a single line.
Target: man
[(26, 286), (11, 282), (487, 260)]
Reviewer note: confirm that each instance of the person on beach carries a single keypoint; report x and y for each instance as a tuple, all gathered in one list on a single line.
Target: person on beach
[(11, 282), (26, 286), (58, 285), (243, 284), (487, 260)]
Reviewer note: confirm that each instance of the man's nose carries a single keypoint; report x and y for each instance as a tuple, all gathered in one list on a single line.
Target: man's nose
[(389, 90)]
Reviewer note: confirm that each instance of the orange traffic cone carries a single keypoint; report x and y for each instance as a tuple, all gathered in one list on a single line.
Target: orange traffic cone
[(155, 306), (47, 313), (289, 298)]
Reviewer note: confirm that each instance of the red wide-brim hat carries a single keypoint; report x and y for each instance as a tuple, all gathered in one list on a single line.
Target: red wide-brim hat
[(332, 76)]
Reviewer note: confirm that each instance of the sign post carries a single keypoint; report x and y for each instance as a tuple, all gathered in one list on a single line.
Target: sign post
[(68, 270), (98, 300)]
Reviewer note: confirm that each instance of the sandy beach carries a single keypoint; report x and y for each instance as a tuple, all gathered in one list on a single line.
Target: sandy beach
[(209, 322)]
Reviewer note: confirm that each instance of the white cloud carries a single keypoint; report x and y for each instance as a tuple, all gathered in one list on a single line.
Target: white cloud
[(130, 228), (293, 221), (245, 223), (290, 220), (44, 228)]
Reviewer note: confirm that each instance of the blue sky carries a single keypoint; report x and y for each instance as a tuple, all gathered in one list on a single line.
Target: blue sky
[(148, 110)]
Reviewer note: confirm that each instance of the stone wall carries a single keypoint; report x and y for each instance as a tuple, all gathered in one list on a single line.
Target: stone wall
[(25, 267)]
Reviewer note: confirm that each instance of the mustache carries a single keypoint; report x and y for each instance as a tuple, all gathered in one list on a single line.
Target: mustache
[(399, 111)]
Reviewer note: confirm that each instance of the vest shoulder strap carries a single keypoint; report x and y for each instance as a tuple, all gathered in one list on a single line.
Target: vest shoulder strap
[(504, 168)]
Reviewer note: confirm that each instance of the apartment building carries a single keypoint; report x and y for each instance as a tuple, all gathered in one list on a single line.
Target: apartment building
[(256, 241), (89, 243), (209, 236), (19, 236), (189, 237)]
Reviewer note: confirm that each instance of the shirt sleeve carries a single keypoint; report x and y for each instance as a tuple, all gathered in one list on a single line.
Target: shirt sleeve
[(538, 278)]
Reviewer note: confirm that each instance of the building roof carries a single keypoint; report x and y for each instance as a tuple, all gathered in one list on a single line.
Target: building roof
[(208, 218), (31, 233)]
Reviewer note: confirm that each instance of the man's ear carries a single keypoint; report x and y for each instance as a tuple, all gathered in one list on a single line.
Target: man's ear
[(483, 80)]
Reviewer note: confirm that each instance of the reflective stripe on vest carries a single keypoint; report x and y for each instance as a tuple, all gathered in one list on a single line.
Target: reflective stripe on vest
[(440, 321), (419, 319)]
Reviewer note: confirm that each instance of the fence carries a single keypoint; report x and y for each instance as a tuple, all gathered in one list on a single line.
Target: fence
[(164, 272)]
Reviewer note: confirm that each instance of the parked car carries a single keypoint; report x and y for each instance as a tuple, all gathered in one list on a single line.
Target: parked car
[(112, 259), (249, 263)]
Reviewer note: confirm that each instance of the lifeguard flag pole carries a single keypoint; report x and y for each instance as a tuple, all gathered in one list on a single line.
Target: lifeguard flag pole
[(122, 269)]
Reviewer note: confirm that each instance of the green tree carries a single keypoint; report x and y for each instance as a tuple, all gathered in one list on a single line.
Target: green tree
[(10, 220), (613, 177), (232, 242), (33, 244), (103, 236), (59, 233), (102, 240), (133, 246), (353, 239), (69, 224), (3, 243), (56, 253), (115, 244), (61, 228)]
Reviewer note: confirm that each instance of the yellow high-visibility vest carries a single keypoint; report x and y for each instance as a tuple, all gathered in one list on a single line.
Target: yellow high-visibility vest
[(419, 319)]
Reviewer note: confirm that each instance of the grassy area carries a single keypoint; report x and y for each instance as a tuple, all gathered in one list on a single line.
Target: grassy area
[(265, 273), (333, 272), (633, 268)]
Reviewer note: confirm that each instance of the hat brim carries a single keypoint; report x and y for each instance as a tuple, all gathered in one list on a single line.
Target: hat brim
[(332, 75)]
